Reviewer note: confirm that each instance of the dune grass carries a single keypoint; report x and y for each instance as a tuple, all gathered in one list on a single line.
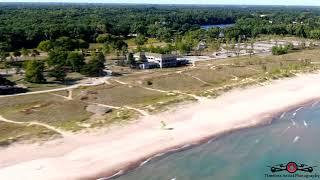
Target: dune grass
[(11, 133)]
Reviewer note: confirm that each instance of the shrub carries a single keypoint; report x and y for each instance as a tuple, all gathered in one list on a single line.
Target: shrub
[(279, 50), (149, 83)]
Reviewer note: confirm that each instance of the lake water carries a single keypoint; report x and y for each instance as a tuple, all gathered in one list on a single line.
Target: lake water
[(247, 154), (221, 26)]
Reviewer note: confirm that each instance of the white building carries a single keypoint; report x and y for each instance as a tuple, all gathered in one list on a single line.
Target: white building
[(155, 60)]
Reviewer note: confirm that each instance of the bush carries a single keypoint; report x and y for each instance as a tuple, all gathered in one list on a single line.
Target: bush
[(290, 46), (17, 54), (279, 50), (149, 83), (58, 73)]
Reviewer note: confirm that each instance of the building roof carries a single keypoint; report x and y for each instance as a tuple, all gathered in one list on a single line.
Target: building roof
[(156, 55)]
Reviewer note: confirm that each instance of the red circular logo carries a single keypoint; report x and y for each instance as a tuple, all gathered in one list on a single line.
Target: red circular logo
[(291, 167)]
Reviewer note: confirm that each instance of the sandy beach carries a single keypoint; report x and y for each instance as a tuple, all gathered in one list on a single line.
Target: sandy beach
[(104, 153)]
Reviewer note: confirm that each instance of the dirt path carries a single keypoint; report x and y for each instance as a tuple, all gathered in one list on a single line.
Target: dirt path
[(196, 78), (69, 97), (144, 113), (63, 133), (85, 82), (165, 91), (120, 82), (104, 105)]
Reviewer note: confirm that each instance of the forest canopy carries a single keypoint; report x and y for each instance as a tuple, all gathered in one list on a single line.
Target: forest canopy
[(25, 25)]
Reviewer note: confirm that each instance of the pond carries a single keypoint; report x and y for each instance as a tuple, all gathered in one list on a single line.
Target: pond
[(222, 26)]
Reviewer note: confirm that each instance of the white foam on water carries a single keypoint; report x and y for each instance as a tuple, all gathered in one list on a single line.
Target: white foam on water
[(144, 162), (211, 140), (305, 123), (296, 139), (293, 122), (169, 151), (282, 115), (116, 174), (160, 154), (314, 104), (294, 114), (284, 131), (298, 109)]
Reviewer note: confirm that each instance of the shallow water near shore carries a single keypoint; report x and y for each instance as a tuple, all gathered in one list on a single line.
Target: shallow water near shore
[(246, 154)]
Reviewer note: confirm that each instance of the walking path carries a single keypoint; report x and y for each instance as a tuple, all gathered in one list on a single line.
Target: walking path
[(85, 82), (145, 113), (63, 133)]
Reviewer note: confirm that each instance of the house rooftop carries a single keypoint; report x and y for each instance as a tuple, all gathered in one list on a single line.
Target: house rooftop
[(156, 55)]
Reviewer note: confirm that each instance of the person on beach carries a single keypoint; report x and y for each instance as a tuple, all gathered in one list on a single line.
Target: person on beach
[(163, 125)]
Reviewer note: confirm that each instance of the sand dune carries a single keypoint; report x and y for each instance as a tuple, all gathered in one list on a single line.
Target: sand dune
[(88, 156)]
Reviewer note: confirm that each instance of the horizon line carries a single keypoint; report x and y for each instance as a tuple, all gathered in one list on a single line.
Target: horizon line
[(66, 2)]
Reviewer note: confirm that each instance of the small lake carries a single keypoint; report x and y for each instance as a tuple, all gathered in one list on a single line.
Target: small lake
[(221, 26)]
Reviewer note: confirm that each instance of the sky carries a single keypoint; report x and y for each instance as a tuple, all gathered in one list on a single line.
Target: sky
[(237, 2)]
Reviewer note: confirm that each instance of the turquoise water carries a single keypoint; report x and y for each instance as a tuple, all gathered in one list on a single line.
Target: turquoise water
[(245, 154)]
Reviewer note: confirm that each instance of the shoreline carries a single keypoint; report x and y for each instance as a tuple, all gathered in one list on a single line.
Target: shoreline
[(235, 110), (179, 148)]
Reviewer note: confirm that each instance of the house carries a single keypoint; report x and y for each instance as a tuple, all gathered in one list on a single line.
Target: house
[(155, 60)]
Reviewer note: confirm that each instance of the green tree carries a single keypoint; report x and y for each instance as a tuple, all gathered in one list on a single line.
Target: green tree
[(3, 55), (213, 33), (66, 43), (140, 40), (45, 45), (104, 38), (106, 49), (57, 57), (34, 71), (95, 66), (75, 60), (58, 73), (315, 34)]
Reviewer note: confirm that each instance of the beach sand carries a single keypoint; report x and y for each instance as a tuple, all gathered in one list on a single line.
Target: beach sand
[(104, 153)]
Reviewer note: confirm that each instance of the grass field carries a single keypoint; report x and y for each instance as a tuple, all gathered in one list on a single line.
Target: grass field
[(15, 133), (120, 95), (45, 108)]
